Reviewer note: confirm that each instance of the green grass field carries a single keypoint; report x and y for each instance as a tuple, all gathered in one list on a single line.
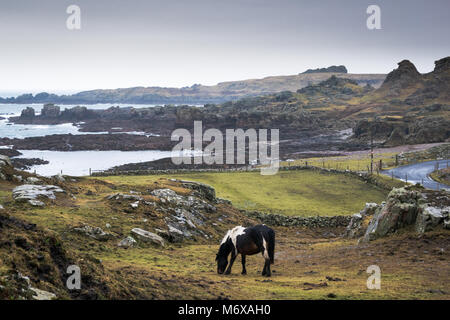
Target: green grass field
[(301, 193)]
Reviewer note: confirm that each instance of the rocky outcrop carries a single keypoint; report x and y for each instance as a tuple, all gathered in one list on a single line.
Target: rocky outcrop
[(404, 207), (169, 196), (202, 190), (442, 66), (336, 69), (400, 210), (50, 111), (31, 193), (28, 113), (405, 75), (184, 213)]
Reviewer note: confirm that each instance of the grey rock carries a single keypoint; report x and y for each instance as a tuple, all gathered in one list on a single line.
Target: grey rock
[(32, 192), (400, 210), (59, 178), (42, 295), (356, 228), (33, 180), (430, 217), (127, 242), (94, 232), (135, 205), (5, 161), (202, 189), (148, 236), (122, 196)]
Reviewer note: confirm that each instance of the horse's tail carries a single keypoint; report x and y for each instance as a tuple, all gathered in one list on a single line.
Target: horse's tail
[(271, 246)]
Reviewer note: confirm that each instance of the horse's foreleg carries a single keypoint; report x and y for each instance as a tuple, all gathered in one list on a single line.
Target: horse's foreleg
[(244, 271), (233, 257)]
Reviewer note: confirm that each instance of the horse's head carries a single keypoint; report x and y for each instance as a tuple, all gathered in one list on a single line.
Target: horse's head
[(222, 256), (222, 262)]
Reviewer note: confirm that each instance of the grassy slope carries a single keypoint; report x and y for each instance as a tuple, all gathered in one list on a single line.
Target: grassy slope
[(411, 267), (303, 193)]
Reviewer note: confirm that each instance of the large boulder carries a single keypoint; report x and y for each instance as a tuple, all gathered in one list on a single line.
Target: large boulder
[(400, 210), (148, 236)]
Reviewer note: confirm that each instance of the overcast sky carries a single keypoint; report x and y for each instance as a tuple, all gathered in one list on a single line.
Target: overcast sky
[(179, 43)]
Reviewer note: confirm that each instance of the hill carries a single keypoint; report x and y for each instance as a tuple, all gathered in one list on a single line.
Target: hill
[(195, 94)]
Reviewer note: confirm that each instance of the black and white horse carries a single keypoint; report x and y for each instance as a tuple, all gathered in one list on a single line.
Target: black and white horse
[(246, 241)]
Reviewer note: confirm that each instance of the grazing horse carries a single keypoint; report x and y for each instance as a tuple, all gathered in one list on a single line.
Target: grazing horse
[(246, 241)]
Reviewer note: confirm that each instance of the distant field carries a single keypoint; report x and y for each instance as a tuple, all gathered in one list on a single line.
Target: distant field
[(355, 162), (302, 193)]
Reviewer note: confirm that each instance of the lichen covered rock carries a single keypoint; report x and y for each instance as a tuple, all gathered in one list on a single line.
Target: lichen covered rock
[(400, 210)]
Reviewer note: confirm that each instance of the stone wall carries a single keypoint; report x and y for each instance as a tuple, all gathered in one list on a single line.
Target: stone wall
[(287, 221)]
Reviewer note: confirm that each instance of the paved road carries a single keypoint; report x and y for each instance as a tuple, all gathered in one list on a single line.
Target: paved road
[(418, 172)]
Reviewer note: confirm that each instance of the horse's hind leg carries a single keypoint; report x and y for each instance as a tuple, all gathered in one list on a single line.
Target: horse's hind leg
[(244, 271), (266, 271)]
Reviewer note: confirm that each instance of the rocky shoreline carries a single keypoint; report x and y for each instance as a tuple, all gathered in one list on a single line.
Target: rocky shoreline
[(102, 142)]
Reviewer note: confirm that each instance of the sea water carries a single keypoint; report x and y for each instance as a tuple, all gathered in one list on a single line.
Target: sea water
[(79, 163)]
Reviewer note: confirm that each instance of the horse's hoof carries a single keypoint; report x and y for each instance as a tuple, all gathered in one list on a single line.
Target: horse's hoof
[(244, 272), (227, 272)]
